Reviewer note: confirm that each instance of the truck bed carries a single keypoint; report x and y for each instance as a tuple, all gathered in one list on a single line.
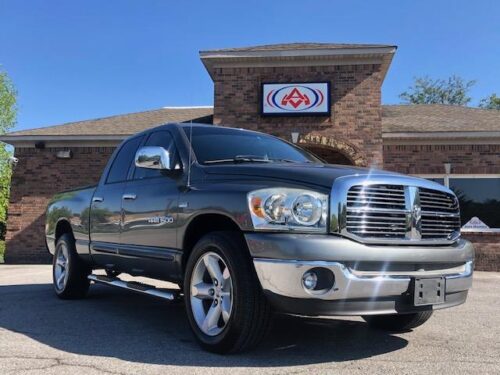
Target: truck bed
[(73, 206)]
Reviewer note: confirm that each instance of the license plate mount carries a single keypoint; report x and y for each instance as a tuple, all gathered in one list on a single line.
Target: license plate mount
[(429, 291)]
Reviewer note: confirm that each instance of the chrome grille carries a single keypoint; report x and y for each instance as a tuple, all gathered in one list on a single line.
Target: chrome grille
[(437, 201), (376, 211), (395, 212)]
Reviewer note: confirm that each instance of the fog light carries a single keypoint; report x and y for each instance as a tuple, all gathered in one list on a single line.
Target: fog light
[(310, 280), (318, 281)]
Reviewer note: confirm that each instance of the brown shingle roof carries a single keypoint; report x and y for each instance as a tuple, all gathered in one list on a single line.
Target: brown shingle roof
[(438, 118), (297, 46), (395, 119), (123, 124)]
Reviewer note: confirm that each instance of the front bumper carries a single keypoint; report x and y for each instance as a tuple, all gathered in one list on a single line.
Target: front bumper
[(386, 290)]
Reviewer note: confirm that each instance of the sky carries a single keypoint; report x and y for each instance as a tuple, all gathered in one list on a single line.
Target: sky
[(76, 60)]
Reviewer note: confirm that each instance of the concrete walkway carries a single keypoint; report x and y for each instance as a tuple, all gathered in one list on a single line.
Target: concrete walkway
[(117, 332)]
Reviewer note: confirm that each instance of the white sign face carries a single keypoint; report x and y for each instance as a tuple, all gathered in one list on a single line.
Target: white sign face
[(475, 223), (306, 99)]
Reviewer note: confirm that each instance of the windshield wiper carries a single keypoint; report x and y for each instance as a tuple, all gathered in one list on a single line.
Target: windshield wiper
[(240, 159), (253, 159), (289, 160)]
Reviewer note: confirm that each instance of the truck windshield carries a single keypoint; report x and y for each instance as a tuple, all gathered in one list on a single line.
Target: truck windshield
[(217, 145)]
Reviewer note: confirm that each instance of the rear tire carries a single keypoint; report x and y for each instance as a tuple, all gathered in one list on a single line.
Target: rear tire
[(69, 272), (243, 321), (398, 322)]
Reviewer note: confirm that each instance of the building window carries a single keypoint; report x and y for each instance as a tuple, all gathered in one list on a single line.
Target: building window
[(479, 197)]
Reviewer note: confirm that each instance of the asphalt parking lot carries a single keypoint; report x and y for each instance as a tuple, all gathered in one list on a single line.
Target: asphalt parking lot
[(117, 332)]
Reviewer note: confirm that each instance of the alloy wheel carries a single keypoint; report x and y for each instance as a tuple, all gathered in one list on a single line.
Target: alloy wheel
[(211, 294), (61, 267)]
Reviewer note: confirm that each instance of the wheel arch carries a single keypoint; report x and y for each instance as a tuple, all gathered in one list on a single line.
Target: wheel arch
[(63, 226), (203, 224)]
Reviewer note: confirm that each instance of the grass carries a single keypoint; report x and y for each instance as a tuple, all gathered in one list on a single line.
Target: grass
[(2, 250)]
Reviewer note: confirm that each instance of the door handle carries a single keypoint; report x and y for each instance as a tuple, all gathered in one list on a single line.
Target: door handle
[(129, 197), (97, 199)]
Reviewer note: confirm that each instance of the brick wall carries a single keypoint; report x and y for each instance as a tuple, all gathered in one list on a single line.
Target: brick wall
[(355, 104), (37, 176), (487, 246), (429, 159)]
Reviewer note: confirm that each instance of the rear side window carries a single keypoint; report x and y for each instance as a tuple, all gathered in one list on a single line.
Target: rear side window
[(163, 139), (123, 161)]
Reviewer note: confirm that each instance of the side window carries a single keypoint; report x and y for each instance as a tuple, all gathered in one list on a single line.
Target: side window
[(123, 161), (163, 139)]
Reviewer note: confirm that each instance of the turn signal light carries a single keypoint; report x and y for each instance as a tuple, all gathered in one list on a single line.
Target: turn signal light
[(256, 206)]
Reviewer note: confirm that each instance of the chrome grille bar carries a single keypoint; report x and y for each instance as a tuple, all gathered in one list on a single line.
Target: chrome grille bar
[(385, 199)]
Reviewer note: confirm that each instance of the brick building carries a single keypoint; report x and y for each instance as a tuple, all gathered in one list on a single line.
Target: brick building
[(456, 146)]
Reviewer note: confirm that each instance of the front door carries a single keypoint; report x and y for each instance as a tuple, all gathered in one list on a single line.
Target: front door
[(149, 204)]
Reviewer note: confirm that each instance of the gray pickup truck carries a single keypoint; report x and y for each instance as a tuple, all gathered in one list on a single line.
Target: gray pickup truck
[(248, 224)]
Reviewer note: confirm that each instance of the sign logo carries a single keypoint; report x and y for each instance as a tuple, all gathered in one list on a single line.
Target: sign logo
[(295, 99), (475, 223)]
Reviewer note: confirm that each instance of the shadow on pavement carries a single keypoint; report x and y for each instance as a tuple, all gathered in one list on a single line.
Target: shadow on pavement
[(120, 324)]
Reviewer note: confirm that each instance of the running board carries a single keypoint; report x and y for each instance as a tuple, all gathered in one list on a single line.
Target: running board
[(168, 294)]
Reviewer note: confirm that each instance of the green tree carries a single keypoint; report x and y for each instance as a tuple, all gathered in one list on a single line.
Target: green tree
[(454, 91), (491, 102), (8, 112)]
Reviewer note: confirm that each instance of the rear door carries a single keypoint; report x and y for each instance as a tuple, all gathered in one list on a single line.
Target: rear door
[(106, 209), (150, 202)]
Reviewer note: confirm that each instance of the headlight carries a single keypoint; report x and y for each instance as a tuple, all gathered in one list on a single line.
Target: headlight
[(288, 209)]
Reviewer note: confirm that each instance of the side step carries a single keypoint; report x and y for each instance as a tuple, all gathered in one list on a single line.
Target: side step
[(168, 294)]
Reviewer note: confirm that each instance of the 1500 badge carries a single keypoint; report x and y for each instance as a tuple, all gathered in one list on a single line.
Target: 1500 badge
[(161, 220)]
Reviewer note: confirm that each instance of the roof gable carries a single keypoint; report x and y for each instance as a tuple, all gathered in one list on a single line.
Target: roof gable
[(297, 47)]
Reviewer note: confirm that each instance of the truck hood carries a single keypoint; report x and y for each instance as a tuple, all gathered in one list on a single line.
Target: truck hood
[(314, 174)]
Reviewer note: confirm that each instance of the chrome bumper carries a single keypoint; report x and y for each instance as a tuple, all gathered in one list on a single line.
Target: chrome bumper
[(284, 278)]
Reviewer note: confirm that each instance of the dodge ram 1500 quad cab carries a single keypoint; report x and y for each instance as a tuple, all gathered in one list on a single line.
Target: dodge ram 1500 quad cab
[(247, 224)]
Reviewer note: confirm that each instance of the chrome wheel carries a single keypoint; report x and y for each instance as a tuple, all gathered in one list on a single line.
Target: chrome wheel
[(61, 267), (211, 294)]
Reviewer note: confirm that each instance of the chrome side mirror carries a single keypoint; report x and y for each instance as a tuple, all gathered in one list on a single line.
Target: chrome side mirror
[(153, 157)]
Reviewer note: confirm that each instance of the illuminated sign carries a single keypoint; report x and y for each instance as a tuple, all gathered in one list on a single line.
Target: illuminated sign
[(305, 99)]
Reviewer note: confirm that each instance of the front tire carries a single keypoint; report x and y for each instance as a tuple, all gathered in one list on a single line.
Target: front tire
[(69, 273), (398, 322), (226, 308)]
